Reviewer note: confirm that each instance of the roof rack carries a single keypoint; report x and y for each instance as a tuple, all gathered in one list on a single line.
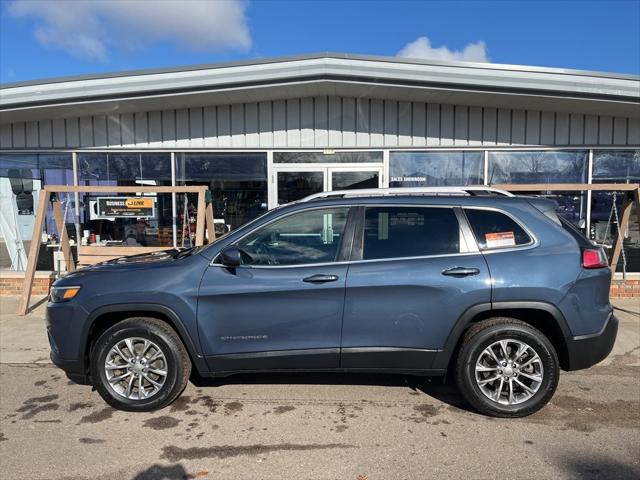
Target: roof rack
[(427, 191)]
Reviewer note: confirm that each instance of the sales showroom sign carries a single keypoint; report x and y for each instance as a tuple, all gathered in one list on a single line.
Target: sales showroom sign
[(126, 207)]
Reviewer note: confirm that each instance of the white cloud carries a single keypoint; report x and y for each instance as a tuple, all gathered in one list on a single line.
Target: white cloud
[(421, 48), (91, 28)]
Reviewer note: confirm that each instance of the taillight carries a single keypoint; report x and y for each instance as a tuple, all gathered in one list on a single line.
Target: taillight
[(594, 258)]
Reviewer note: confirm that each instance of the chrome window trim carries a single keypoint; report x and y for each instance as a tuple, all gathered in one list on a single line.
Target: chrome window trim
[(525, 246), (353, 262), (456, 208)]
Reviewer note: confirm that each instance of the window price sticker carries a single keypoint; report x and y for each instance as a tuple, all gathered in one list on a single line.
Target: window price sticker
[(500, 239)]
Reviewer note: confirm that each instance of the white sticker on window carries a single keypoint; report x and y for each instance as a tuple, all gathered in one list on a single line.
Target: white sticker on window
[(500, 239)]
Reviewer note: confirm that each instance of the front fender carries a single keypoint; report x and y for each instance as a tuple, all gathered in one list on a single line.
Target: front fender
[(184, 330)]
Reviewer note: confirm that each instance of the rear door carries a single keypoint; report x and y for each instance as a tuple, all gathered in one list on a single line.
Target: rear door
[(416, 270)]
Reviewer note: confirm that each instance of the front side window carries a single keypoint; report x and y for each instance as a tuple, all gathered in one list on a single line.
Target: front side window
[(312, 236), (496, 230), (392, 232)]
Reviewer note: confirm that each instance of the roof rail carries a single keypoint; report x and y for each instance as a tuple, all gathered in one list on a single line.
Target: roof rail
[(381, 192)]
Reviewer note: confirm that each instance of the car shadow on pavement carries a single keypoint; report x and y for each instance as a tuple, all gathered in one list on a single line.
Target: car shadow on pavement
[(165, 472), (599, 467), (434, 387)]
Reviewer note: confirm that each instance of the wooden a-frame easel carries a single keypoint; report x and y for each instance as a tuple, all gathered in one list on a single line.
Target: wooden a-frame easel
[(92, 254)]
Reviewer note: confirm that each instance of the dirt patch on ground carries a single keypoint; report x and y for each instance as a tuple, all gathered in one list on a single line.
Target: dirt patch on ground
[(33, 406), (279, 410), (89, 441), (232, 407), (176, 454), (99, 416), (585, 415), (80, 406), (181, 404), (161, 423)]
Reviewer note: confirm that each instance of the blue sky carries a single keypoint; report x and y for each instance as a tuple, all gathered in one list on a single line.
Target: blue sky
[(43, 38)]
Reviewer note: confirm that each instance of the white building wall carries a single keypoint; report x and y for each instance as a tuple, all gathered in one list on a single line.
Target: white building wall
[(324, 122)]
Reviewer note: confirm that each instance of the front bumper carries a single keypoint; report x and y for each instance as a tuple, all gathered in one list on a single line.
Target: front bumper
[(73, 369), (587, 350), (63, 330)]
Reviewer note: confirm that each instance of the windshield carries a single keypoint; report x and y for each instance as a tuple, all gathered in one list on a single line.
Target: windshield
[(255, 220)]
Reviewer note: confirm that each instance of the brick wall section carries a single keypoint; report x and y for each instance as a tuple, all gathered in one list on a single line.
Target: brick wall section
[(12, 285), (630, 288)]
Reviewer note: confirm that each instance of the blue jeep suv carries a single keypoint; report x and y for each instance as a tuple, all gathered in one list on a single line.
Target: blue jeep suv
[(496, 291)]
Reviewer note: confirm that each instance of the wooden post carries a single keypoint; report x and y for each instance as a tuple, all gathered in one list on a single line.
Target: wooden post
[(211, 231), (200, 219), (64, 237), (622, 228), (637, 198), (102, 253), (34, 250)]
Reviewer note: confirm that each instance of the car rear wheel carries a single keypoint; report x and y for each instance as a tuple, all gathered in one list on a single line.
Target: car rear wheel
[(506, 368), (139, 364)]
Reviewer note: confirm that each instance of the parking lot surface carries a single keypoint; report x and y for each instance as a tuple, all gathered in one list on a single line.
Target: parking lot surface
[(316, 426)]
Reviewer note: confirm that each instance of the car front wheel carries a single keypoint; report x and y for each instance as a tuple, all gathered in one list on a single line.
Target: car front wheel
[(139, 364), (506, 368)]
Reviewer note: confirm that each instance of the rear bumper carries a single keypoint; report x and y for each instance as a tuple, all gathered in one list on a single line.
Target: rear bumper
[(587, 350)]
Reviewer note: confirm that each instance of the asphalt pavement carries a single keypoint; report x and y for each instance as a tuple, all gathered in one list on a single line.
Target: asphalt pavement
[(313, 426)]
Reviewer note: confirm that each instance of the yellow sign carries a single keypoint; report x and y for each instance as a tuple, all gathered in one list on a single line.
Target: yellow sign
[(139, 202)]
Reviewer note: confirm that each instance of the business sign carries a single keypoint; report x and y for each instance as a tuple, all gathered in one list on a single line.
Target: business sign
[(126, 207)]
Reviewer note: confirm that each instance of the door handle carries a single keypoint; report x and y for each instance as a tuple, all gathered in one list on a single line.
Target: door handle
[(461, 271), (320, 278)]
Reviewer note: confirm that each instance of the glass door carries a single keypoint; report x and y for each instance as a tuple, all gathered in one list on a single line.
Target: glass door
[(351, 178), (292, 183)]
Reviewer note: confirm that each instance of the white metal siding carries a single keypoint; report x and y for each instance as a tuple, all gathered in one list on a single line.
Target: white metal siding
[(324, 122)]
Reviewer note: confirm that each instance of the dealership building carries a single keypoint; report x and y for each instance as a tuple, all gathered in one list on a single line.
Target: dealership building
[(270, 131)]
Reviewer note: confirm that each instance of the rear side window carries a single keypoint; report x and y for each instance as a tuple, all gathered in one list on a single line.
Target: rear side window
[(496, 230), (392, 232)]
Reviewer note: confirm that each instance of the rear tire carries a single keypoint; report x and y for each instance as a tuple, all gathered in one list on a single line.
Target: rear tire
[(140, 365), (506, 368)]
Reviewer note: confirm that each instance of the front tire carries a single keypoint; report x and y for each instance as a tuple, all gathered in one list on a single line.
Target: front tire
[(140, 365), (506, 368)]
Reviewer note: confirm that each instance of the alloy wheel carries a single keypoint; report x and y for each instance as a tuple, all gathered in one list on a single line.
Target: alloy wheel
[(509, 372), (136, 368)]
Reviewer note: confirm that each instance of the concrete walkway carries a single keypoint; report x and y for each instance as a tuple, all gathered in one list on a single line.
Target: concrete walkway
[(24, 339)]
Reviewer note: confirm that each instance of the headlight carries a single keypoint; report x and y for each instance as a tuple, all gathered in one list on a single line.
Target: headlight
[(63, 294)]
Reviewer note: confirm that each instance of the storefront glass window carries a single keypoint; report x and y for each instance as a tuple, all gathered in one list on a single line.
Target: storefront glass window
[(538, 167), (21, 178), (615, 166), (126, 169), (321, 157), (238, 183), (426, 169), (545, 167)]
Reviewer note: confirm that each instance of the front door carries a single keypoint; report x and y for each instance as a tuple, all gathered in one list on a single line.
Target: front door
[(417, 274), (292, 183), (282, 308)]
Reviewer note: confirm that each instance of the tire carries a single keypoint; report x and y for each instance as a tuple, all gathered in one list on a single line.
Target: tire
[(140, 333), (510, 398)]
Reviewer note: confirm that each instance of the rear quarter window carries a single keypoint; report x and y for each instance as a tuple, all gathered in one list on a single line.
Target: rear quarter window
[(396, 232), (494, 230)]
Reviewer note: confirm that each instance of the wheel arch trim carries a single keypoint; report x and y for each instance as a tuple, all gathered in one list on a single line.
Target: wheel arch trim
[(181, 330), (443, 358)]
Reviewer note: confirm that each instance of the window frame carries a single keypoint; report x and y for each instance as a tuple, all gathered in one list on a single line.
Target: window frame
[(532, 244), (466, 235), (344, 249)]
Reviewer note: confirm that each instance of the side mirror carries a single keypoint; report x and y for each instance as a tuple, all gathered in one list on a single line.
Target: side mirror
[(230, 256)]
